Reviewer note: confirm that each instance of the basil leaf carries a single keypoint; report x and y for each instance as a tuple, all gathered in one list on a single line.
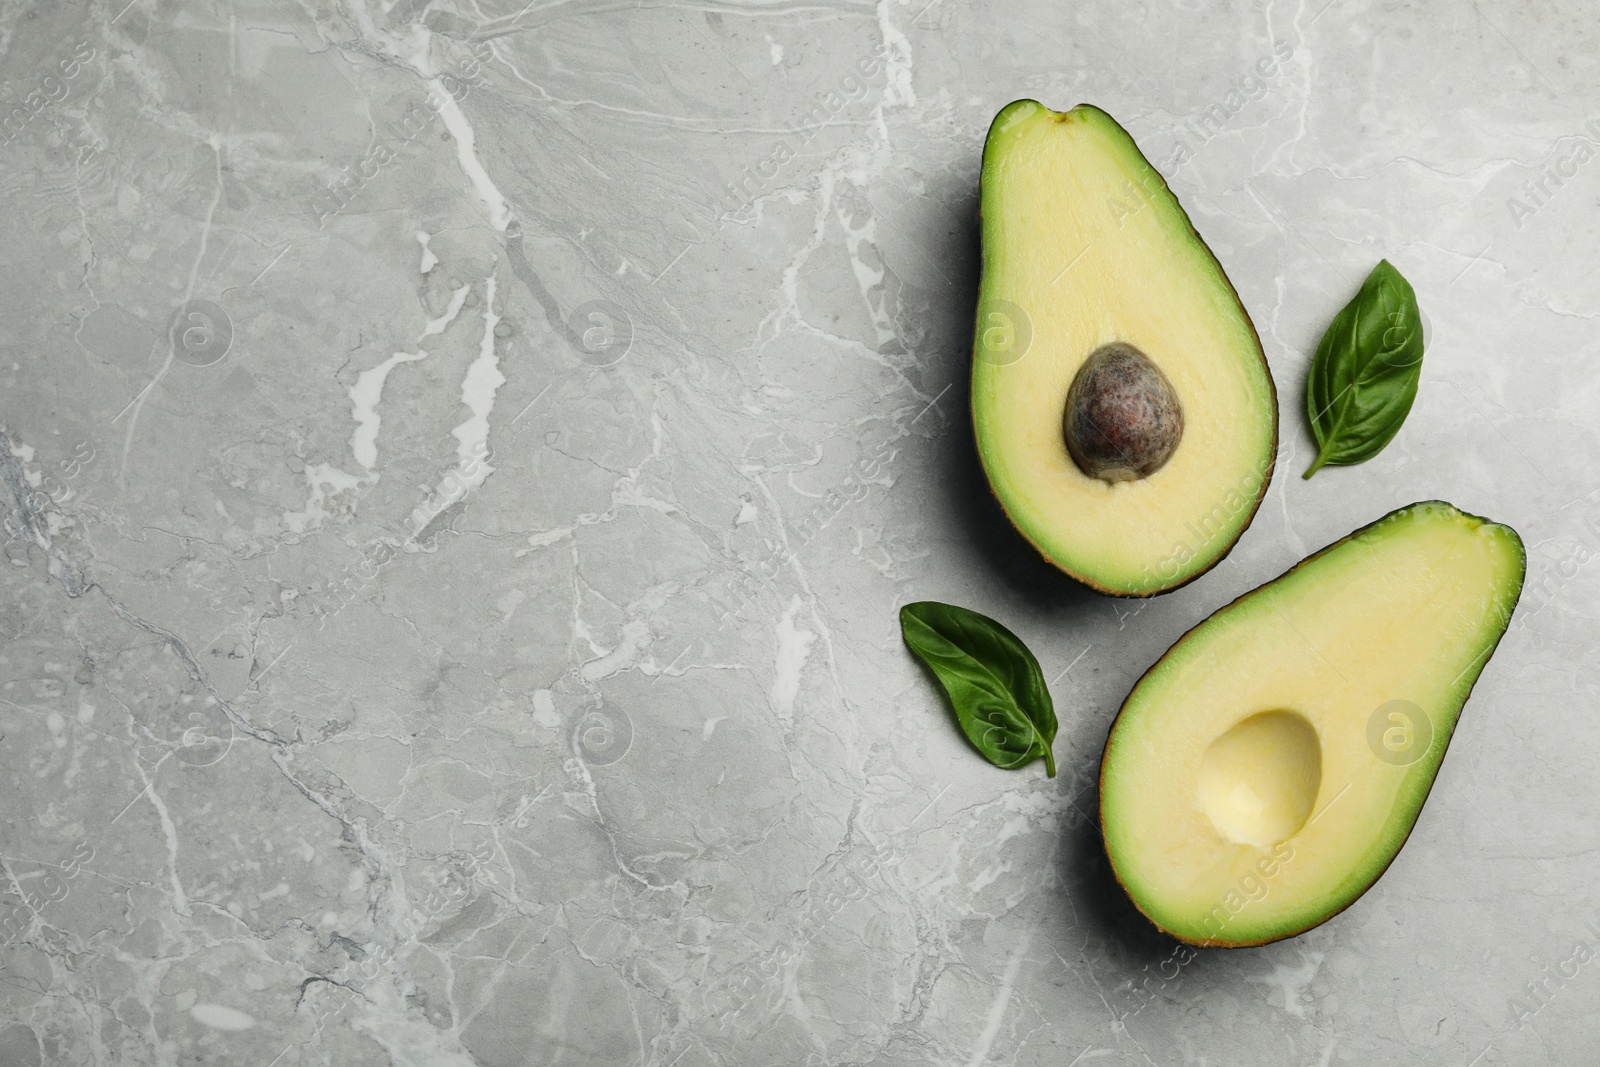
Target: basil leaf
[(991, 678), (1365, 373)]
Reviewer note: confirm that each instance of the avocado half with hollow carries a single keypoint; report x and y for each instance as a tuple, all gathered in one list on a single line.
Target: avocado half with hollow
[(1122, 405), (1264, 773)]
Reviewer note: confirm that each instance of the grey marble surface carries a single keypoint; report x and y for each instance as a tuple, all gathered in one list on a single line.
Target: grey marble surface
[(463, 461)]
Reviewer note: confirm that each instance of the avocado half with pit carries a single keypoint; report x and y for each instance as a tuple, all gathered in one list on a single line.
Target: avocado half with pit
[(1122, 405), (1266, 771)]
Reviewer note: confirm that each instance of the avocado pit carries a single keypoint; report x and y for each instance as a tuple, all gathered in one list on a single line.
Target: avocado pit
[(1122, 419)]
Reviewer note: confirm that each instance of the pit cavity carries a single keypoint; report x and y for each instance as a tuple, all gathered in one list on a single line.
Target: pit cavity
[(1259, 780)]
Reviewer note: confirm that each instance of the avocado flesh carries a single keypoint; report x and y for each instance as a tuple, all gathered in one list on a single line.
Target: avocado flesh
[(1082, 236), (1244, 793)]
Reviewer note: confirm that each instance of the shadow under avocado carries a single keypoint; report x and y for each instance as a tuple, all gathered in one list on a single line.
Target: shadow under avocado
[(1084, 872)]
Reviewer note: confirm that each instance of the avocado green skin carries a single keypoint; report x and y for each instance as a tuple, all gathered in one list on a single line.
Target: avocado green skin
[(1106, 751), (1266, 478)]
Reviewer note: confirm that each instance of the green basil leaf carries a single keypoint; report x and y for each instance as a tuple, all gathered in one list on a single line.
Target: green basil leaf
[(993, 682), (1365, 373)]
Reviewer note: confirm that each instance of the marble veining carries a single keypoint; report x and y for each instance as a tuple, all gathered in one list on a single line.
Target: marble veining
[(461, 465)]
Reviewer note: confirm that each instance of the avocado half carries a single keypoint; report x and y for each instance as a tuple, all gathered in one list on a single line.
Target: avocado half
[(1267, 769), (1122, 405)]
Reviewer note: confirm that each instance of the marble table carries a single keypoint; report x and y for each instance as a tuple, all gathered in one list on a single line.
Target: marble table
[(462, 462)]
